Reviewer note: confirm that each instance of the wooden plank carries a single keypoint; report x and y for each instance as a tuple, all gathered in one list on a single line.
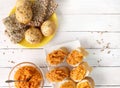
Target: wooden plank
[(88, 6), (106, 75), (89, 23), (96, 57), (76, 6), (87, 39), (13, 57), (102, 76)]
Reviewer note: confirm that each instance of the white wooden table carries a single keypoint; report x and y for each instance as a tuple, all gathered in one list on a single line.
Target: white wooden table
[(96, 23)]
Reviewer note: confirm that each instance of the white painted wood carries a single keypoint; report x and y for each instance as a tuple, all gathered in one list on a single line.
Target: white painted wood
[(89, 22), (89, 6), (17, 56), (87, 39), (106, 76), (96, 57), (76, 6), (78, 19)]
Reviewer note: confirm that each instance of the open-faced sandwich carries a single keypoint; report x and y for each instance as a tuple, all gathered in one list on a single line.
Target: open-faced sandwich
[(87, 82), (58, 74), (56, 57), (80, 72)]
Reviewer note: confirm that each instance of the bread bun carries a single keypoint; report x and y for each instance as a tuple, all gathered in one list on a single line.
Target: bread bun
[(33, 35), (48, 28)]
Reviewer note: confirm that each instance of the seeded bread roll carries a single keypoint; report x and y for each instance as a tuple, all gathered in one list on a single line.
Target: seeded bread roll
[(14, 30), (33, 35), (23, 3), (23, 11), (48, 28), (51, 9), (39, 8)]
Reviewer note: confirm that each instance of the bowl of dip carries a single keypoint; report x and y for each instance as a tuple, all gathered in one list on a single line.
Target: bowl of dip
[(24, 71)]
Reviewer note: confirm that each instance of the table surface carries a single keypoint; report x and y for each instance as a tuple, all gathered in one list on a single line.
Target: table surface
[(96, 23)]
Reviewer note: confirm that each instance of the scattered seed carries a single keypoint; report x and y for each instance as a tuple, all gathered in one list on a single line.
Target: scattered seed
[(11, 62), (94, 53), (3, 53), (108, 52), (12, 52), (102, 50), (99, 61), (98, 41)]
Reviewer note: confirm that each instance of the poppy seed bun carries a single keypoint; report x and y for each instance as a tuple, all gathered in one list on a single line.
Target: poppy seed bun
[(23, 14)]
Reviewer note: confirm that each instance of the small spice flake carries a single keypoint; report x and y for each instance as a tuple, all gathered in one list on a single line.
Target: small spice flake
[(108, 52), (12, 52), (102, 50), (11, 62), (98, 41), (91, 32), (101, 33), (3, 53), (4, 40), (102, 41), (94, 53), (108, 45), (99, 61)]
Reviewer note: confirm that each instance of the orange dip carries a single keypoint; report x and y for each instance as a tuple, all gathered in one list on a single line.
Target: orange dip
[(56, 57), (75, 57), (57, 74), (25, 73), (83, 85), (78, 73)]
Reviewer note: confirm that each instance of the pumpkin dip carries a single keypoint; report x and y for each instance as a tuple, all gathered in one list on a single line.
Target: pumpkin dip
[(74, 58), (28, 72), (80, 72), (58, 74)]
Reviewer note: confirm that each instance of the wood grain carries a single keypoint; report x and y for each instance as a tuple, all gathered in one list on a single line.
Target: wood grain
[(95, 58), (96, 23), (87, 39)]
